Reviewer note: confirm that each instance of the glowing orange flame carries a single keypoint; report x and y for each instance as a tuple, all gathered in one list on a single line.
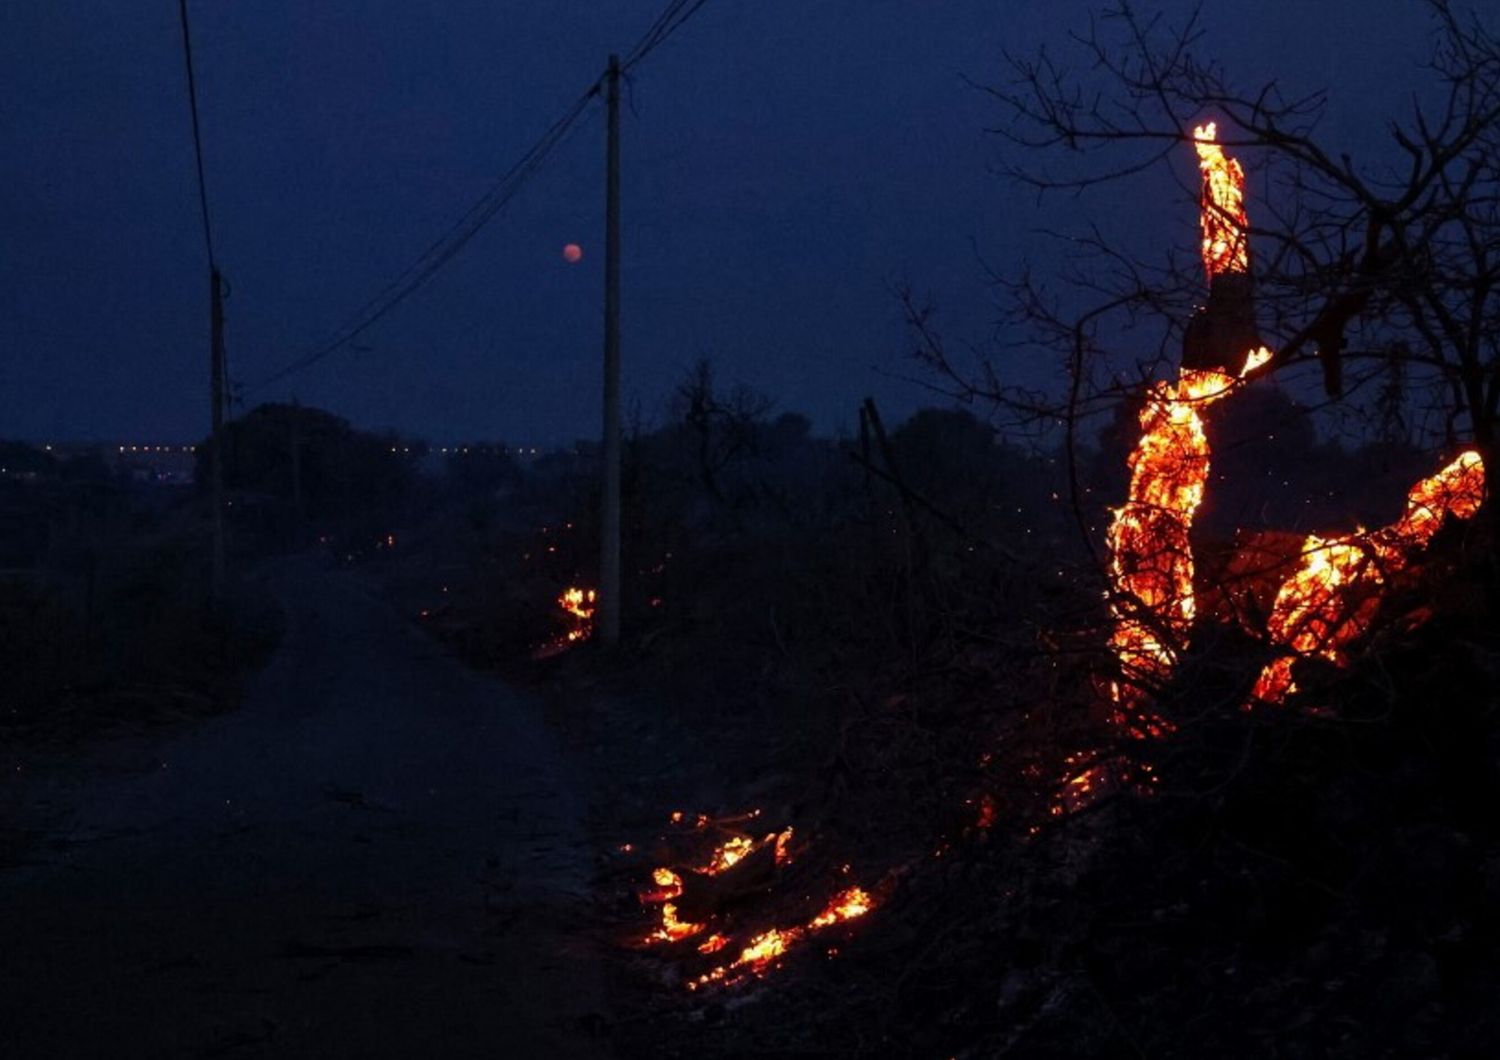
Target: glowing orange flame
[(669, 883), (783, 841), (1151, 564), (764, 949), (1457, 491), (672, 929), (1256, 358), (713, 944), (735, 849), (1085, 776), (1223, 217), (1151, 556), (846, 905), (1333, 596), (728, 854), (669, 886), (1324, 605), (762, 952), (580, 604)]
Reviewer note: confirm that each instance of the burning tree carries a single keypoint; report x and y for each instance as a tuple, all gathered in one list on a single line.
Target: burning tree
[(1388, 266), (1390, 270), (1332, 596)]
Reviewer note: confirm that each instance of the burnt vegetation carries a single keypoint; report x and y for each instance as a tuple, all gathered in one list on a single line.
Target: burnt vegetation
[(895, 647), (893, 643), (896, 642)]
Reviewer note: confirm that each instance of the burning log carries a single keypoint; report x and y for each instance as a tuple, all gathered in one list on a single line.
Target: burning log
[(706, 894), (1333, 597), (767, 948), (736, 870)]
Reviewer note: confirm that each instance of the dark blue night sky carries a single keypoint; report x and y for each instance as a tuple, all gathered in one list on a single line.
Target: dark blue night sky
[(785, 162)]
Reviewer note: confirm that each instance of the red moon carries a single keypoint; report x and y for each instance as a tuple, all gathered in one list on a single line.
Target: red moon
[(572, 253)]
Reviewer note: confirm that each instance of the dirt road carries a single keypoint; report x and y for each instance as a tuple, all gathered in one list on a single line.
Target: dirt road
[(377, 855)]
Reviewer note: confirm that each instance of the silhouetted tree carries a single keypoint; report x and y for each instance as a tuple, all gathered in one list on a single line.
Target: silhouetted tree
[(314, 461), (718, 427), (1357, 262)]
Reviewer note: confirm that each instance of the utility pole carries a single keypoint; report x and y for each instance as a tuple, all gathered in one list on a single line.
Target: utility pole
[(215, 323), (216, 391), (609, 547)]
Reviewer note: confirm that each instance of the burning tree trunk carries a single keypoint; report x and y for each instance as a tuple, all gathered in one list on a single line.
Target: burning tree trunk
[(1401, 239), (1334, 593), (1221, 333), (1151, 555)]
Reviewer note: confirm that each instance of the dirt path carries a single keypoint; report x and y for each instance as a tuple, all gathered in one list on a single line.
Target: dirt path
[(378, 855)]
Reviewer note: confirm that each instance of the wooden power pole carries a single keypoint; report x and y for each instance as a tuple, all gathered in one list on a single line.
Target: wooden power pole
[(609, 546), (216, 391), (215, 324)]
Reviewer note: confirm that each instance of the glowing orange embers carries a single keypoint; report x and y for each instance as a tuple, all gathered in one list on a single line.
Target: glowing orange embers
[(846, 905), (1225, 247), (671, 929), (1332, 597), (765, 949), (988, 814), (754, 861), (1151, 557), (670, 884), (579, 605)]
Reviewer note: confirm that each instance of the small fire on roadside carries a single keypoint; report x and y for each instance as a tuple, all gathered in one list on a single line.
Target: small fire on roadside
[(724, 856), (763, 950), (1329, 598), (579, 605)]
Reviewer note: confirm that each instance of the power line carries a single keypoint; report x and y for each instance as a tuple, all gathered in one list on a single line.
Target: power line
[(654, 33), (506, 187), (669, 22), (445, 247), (187, 54)]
